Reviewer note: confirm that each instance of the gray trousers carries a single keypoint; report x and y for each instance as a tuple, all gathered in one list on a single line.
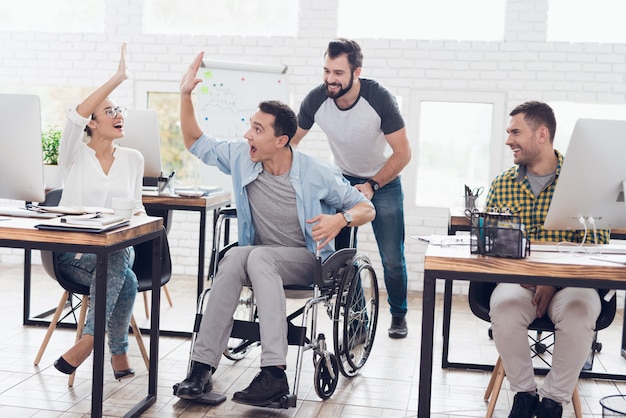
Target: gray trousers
[(574, 312), (267, 269)]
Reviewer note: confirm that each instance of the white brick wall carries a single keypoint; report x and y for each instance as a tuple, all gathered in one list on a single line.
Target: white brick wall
[(522, 67)]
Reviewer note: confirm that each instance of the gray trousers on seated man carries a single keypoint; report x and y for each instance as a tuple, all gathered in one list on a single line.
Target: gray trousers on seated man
[(267, 269)]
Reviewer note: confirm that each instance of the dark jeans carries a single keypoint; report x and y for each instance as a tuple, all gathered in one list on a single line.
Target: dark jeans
[(388, 229)]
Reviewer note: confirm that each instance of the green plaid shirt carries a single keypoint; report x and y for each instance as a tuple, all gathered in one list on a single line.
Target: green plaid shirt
[(511, 189)]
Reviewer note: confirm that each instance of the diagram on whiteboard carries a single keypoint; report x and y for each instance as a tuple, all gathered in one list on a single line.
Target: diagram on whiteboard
[(227, 98)]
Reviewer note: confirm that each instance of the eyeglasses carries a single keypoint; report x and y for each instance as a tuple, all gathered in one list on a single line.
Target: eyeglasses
[(113, 112)]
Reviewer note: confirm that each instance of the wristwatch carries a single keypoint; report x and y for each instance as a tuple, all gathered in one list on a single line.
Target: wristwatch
[(347, 217), (375, 186)]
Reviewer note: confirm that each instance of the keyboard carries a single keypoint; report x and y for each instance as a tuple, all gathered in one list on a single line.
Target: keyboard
[(612, 248), (25, 213)]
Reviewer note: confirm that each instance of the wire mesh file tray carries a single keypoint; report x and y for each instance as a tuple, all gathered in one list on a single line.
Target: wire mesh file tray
[(498, 235)]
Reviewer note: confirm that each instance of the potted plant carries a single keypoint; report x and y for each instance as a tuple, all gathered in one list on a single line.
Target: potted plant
[(50, 148)]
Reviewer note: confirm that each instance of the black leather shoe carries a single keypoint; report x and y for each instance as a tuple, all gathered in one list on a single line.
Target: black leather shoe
[(524, 405), (264, 389), (63, 366), (398, 328), (548, 408), (122, 374), (197, 382)]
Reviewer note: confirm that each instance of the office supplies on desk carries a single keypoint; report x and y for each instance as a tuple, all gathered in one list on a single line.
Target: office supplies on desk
[(197, 191), (566, 247), (443, 240), (26, 213), (69, 210), (83, 225)]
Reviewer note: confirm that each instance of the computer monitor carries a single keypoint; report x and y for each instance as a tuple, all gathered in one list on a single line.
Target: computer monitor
[(21, 161), (141, 132), (591, 183)]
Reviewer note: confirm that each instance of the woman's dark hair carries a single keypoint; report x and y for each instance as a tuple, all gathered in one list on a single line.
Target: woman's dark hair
[(340, 46), (286, 122), (87, 128)]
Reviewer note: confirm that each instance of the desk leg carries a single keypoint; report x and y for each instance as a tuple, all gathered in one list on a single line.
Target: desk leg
[(201, 249), (447, 312), (426, 354), (155, 316), (27, 286), (99, 331), (624, 332)]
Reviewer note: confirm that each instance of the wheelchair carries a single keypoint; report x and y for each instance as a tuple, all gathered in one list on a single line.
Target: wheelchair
[(344, 286)]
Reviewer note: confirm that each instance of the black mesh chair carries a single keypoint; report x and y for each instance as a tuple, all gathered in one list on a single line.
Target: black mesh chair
[(479, 297)]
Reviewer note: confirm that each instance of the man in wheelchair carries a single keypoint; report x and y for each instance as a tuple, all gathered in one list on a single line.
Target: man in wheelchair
[(289, 206)]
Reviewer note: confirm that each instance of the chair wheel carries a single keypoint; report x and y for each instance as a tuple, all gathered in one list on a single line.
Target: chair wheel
[(597, 347), (326, 377), (540, 348), (490, 333)]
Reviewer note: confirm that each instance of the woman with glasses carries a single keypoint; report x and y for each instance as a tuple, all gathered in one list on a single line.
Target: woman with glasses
[(95, 171)]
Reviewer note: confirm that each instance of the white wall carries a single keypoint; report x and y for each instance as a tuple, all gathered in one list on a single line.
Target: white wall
[(523, 67)]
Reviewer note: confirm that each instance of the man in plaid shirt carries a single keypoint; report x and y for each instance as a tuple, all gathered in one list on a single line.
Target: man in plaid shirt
[(526, 190)]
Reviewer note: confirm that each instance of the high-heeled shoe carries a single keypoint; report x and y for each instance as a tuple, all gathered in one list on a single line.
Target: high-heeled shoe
[(63, 366), (122, 374)]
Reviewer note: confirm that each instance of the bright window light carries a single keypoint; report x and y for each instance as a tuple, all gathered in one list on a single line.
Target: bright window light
[(567, 113), (454, 150), (222, 17), (462, 20), (53, 16), (586, 21)]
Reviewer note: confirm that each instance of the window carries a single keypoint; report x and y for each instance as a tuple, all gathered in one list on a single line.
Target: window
[(222, 17), (480, 20), (53, 100), (459, 141), (585, 21), (567, 113), (53, 16)]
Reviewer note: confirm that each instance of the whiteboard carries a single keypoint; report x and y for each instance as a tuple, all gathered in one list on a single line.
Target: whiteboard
[(228, 95)]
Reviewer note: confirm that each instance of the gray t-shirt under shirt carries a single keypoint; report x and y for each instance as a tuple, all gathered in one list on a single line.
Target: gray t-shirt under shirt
[(539, 183), (274, 216)]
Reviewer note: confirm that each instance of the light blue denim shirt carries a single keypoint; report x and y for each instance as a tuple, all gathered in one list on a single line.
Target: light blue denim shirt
[(319, 185)]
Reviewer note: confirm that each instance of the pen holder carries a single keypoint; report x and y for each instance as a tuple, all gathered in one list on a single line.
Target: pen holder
[(498, 235)]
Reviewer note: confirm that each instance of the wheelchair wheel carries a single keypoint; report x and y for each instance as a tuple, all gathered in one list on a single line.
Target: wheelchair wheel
[(355, 316), (326, 375), (238, 348)]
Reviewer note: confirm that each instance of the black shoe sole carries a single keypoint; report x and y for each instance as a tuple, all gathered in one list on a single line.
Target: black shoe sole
[(261, 402), (398, 334)]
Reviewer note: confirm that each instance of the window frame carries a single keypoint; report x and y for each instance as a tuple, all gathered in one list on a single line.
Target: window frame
[(496, 158)]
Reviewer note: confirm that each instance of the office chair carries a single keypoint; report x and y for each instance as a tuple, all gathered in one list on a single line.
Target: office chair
[(145, 286), (479, 296)]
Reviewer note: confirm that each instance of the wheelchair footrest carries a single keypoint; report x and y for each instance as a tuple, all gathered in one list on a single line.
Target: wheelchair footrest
[(210, 398)]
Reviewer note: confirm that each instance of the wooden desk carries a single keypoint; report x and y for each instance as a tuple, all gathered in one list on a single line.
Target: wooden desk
[(456, 263), (21, 233), (459, 222), (199, 204)]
